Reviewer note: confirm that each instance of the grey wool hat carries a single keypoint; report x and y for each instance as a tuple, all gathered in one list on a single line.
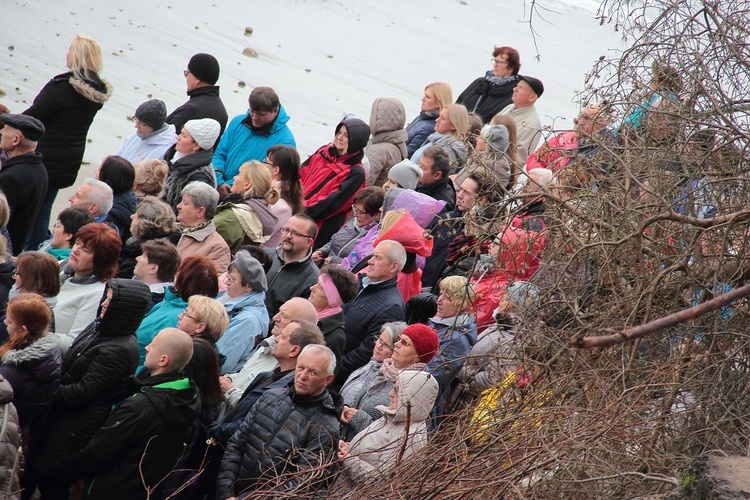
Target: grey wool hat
[(406, 173), (496, 137), (521, 293), (251, 270), (152, 113)]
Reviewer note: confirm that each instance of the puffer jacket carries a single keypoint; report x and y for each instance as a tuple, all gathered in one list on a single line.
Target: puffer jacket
[(282, 436), (144, 435), (345, 239), (456, 150), (387, 145), (419, 130), (34, 374), (9, 443), (123, 206), (194, 167), (95, 374), (374, 450), (457, 336), (67, 106), (248, 325)]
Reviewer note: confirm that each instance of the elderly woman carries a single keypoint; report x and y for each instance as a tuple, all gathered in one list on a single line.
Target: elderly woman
[(336, 286), (92, 262), (333, 175), (451, 128), (190, 158), (436, 96), (67, 106), (195, 276), (246, 217), (204, 318), (376, 448), (412, 350), (150, 176), (283, 163), (119, 174), (489, 94), (152, 220)]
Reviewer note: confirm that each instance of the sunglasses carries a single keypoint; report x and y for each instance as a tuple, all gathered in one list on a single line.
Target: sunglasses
[(405, 342)]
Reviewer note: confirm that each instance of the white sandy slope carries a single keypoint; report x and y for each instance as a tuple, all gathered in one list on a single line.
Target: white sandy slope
[(325, 58)]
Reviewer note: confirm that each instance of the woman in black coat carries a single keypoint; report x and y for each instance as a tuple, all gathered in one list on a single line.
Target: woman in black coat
[(488, 95), (67, 106), (95, 376)]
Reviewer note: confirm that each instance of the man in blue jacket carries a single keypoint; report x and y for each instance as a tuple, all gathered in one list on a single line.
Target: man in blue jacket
[(249, 136)]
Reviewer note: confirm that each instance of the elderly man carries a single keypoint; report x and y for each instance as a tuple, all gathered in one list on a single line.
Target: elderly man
[(523, 112), (435, 166), (195, 215), (293, 271), (95, 197), (378, 301), (249, 136), (297, 335), (289, 436), (556, 152), (23, 177), (262, 360), (143, 438), (201, 76), (152, 136)]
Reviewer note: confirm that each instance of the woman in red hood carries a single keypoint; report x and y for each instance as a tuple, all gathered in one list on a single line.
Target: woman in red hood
[(333, 175), (399, 225)]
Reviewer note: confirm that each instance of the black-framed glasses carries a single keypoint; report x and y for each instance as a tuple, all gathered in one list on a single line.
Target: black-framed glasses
[(296, 234), (186, 72), (357, 212)]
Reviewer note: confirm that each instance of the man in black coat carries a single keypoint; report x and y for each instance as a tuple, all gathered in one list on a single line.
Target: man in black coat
[(435, 166), (378, 301), (290, 436), (201, 76), (23, 177), (144, 436)]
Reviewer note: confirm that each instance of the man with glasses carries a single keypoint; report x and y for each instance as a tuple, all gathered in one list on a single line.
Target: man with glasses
[(249, 136), (293, 271), (201, 76)]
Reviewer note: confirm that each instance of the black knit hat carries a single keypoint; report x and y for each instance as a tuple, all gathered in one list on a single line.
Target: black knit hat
[(205, 68), (152, 113)]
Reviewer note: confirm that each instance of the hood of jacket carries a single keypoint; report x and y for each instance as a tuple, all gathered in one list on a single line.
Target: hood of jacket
[(410, 234), (264, 212), (42, 359), (359, 134), (417, 389), (130, 301), (174, 397), (94, 89), (387, 114)]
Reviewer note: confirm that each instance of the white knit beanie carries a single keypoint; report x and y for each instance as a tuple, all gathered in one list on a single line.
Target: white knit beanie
[(204, 131)]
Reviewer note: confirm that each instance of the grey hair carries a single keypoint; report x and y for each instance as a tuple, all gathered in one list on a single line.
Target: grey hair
[(101, 194), (321, 349), (396, 253), (544, 178), (394, 329), (202, 195)]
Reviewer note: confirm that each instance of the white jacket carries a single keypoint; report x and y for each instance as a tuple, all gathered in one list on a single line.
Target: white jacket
[(135, 149)]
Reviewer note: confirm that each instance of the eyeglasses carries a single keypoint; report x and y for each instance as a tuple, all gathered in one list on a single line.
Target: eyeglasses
[(268, 162), (296, 234), (14, 274), (186, 72), (185, 313), (231, 279), (357, 212), (380, 342), (498, 62), (405, 342)]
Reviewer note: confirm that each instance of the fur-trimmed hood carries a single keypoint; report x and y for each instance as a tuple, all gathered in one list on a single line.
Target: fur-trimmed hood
[(87, 90), (41, 359)]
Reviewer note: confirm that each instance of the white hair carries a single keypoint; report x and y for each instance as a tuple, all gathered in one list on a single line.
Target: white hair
[(396, 253), (101, 194), (321, 349)]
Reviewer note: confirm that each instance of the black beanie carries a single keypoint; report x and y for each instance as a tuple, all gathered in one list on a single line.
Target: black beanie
[(205, 68)]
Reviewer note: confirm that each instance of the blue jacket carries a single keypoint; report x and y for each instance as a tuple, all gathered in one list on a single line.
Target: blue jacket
[(162, 315), (248, 325), (419, 130), (456, 335), (239, 144)]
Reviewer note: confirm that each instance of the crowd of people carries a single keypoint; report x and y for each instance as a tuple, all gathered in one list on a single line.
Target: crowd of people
[(213, 316)]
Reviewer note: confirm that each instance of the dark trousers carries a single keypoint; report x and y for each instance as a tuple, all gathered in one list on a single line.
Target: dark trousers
[(40, 231)]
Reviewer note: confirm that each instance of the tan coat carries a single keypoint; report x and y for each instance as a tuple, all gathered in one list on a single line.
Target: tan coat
[(206, 242)]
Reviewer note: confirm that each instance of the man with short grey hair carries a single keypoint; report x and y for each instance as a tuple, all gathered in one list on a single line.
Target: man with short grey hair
[(195, 215), (93, 196), (377, 302)]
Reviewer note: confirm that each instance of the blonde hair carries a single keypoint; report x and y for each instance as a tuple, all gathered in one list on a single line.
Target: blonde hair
[(150, 176), (155, 218), (4, 210), (389, 220), (443, 93), (85, 56), (459, 291), (212, 313), (459, 117), (261, 182)]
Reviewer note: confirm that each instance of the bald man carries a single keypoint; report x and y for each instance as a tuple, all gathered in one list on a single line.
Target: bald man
[(233, 385), (143, 437)]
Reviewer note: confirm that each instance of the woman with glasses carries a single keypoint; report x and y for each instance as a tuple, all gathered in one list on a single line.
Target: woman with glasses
[(489, 94), (398, 348), (283, 163), (245, 217), (333, 175)]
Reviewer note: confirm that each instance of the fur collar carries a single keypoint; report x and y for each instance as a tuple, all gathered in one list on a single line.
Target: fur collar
[(34, 352), (89, 92)]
